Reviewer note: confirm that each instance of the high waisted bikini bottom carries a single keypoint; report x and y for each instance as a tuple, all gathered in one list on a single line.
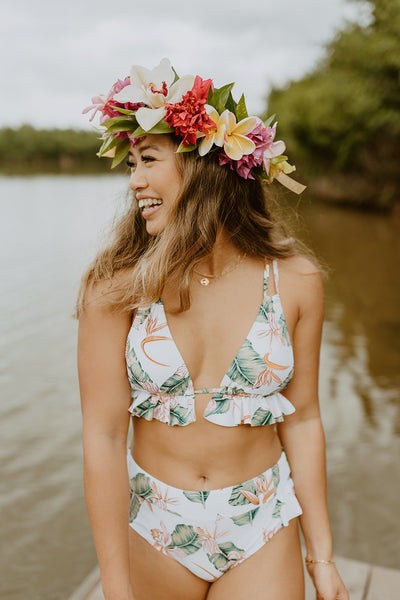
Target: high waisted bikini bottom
[(212, 531)]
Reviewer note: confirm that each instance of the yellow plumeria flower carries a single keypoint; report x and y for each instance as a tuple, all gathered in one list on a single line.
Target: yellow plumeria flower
[(229, 134)]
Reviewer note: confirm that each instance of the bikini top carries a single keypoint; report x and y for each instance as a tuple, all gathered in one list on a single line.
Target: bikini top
[(249, 393)]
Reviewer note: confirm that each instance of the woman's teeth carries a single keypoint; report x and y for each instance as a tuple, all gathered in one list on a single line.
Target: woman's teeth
[(146, 203)]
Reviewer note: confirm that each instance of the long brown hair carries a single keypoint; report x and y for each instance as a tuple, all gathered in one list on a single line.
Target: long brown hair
[(212, 198)]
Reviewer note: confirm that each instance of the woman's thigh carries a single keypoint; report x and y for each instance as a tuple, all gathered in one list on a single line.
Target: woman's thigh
[(155, 576), (274, 571)]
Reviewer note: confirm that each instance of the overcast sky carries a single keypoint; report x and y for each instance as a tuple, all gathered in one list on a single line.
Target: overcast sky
[(57, 55)]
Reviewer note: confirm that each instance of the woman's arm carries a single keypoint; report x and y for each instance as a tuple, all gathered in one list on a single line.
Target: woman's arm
[(302, 434), (105, 396)]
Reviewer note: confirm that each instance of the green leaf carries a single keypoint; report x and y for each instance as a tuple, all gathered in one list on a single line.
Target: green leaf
[(123, 125), (134, 508), (221, 408), (176, 75), (189, 148), (241, 110), (113, 121), (200, 497), (145, 409), (122, 150), (268, 122), (124, 111), (140, 485), (161, 127), (178, 415), (136, 373), (227, 547), (142, 314), (285, 333), (237, 498), (266, 307), (246, 366), (275, 476), (139, 132), (220, 559), (277, 510), (185, 538), (246, 518), (175, 384), (262, 416), (108, 143), (230, 103), (219, 98)]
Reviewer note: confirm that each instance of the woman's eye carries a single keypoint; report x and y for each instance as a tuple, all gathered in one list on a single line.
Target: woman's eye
[(147, 159), (130, 164)]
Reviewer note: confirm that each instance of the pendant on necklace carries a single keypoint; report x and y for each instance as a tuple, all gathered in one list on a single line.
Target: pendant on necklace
[(205, 281)]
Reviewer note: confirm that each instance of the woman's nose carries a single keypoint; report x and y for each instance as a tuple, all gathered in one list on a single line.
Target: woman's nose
[(137, 180)]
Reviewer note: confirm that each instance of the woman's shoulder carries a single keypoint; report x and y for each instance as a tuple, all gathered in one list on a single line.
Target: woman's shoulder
[(103, 295), (301, 277), (299, 265)]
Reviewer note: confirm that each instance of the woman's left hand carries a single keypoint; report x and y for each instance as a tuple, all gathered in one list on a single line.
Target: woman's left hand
[(327, 582)]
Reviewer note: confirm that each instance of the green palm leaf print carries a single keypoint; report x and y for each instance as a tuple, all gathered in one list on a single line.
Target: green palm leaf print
[(262, 416), (246, 518), (134, 508), (276, 476), (237, 497), (221, 407), (178, 415), (246, 366), (145, 409), (266, 307), (175, 385), (220, 559), (185, 538), (285, 332), (136, 373), (277, 510), (142, 314), (140, 485), (200, 497)]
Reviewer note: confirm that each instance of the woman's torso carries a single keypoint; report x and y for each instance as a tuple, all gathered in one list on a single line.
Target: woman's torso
[(202, 454)]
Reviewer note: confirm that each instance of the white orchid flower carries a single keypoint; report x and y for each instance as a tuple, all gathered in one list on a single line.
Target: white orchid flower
[(154, 88), (229, 134)]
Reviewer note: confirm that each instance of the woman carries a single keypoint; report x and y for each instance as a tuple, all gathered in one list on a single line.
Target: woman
[(213, 309)]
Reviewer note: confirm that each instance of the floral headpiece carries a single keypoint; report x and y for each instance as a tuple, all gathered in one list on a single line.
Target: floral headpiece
[(204, 118)]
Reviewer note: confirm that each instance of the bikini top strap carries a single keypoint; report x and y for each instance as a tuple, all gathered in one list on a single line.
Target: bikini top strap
[(276, 275), (266, 278)]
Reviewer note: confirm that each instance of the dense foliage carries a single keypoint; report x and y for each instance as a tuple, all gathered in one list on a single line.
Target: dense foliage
[(342, 121), (27, 149)]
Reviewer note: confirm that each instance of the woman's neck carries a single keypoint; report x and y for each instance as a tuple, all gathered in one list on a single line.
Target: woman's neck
[(222, 255)]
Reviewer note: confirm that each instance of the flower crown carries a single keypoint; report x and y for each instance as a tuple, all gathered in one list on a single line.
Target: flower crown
[(204, 118)]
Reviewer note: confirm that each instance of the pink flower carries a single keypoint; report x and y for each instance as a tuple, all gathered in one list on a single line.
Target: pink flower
[(273, 149), (107, 106)]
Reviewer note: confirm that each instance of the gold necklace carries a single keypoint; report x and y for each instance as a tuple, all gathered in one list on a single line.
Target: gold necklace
[(205, 279)]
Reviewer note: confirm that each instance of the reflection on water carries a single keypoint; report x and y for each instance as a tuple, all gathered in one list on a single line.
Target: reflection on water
[(49, 229)]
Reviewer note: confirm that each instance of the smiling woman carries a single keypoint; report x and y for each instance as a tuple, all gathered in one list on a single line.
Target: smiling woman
[(191, 322)]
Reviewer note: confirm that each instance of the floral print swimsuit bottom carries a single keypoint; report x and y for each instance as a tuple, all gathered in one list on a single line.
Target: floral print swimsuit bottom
[(211, 531)]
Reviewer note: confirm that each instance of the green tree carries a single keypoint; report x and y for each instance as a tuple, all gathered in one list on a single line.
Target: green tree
[(342, 121)]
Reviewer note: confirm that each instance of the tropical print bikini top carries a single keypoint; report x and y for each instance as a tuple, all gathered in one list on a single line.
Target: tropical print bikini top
[(249, 393)]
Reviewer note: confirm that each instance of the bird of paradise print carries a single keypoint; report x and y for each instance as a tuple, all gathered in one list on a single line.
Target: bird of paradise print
[(268, 375), (151, 328)]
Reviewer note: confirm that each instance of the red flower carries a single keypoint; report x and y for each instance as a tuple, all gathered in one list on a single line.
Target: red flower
[(189, 116)]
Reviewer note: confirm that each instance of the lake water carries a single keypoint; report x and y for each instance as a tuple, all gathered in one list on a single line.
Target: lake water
[(49, 230)]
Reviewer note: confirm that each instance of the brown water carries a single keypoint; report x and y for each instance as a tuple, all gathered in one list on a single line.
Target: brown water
[(49, 229)]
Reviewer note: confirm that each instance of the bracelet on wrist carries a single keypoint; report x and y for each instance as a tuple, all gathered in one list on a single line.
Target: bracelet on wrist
[(313, 561)]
